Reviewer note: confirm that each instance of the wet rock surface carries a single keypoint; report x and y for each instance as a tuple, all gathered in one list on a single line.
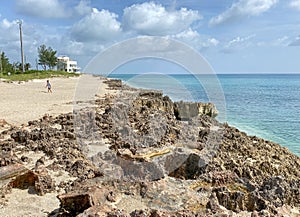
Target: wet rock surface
[(138, 153)]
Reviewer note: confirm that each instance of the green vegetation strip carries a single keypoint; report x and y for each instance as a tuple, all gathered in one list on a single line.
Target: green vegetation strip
[(34, 74)]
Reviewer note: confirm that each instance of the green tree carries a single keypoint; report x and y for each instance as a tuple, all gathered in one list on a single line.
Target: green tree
[(27, 66), (52, 59), (5, 65), (47, 57), (18, 66), (42, 50)]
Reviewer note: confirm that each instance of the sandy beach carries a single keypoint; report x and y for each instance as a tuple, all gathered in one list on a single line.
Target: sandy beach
[(21, 102)]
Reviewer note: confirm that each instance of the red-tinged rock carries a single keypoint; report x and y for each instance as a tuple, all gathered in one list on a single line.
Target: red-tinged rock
[(24, 180), (19, 176), (11, 171), (76, 202)]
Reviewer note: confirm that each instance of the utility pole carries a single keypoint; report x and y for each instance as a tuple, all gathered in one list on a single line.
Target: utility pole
[(36, 64), (1, 62), (21, 41)]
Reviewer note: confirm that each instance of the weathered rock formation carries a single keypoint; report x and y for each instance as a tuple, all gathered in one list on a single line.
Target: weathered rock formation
[(140, 154), (188, 110)]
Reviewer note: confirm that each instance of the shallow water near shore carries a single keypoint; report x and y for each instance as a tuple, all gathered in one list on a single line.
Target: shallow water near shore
[(265, 105)]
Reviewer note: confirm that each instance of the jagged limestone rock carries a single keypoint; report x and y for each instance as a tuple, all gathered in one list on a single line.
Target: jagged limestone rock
[(187, 110)]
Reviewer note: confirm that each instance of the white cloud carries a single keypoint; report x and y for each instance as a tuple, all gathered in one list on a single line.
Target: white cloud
[(213, 41), (97, 26), (10, 40), (282, 41), (42, 8), (243, 8), (239, 40), (194, 39), (72, 48), (187, 35), (9, 32), (295, 4), (296, 42), (83, 7), (6, 24), (238, 43), (153, 19)]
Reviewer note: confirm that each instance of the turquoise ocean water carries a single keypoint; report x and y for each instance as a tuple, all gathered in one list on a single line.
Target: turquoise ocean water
[(264, 105)]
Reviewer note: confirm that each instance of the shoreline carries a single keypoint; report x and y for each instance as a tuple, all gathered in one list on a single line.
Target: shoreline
[(61, 103), (248, 167), (264, 129), (27, 101)]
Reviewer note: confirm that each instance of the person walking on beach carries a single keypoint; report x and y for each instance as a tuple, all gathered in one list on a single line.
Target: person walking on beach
[(48, 85)]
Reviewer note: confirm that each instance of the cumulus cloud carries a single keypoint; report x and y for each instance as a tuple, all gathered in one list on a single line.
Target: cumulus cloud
[(213, 41), (83, 8), (72, 48), (52, 9), (97, 26), (243, 8), (6, 24), (154, 19), (10, 40), (187, 35), (295, 4), (9, 31), (196, 40), (42, 8)]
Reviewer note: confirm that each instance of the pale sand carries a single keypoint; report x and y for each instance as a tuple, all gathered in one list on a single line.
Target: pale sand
[(23, 203), (20, 103)]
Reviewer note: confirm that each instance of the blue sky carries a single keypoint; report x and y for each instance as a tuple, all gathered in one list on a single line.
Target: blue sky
[(235, 36)]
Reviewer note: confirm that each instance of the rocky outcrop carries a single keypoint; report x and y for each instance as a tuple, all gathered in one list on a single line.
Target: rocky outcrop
[(153, 100), (75, 203), (18, 176), (113, 84), (188, 110), (140, 154)]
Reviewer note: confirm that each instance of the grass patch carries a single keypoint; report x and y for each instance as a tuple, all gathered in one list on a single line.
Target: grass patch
[(35, 74)]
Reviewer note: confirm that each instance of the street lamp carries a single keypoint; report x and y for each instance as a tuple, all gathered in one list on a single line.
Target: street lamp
[(21, 41)]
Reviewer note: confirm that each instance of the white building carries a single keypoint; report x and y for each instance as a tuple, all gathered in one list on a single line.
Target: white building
[(65, 64)]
